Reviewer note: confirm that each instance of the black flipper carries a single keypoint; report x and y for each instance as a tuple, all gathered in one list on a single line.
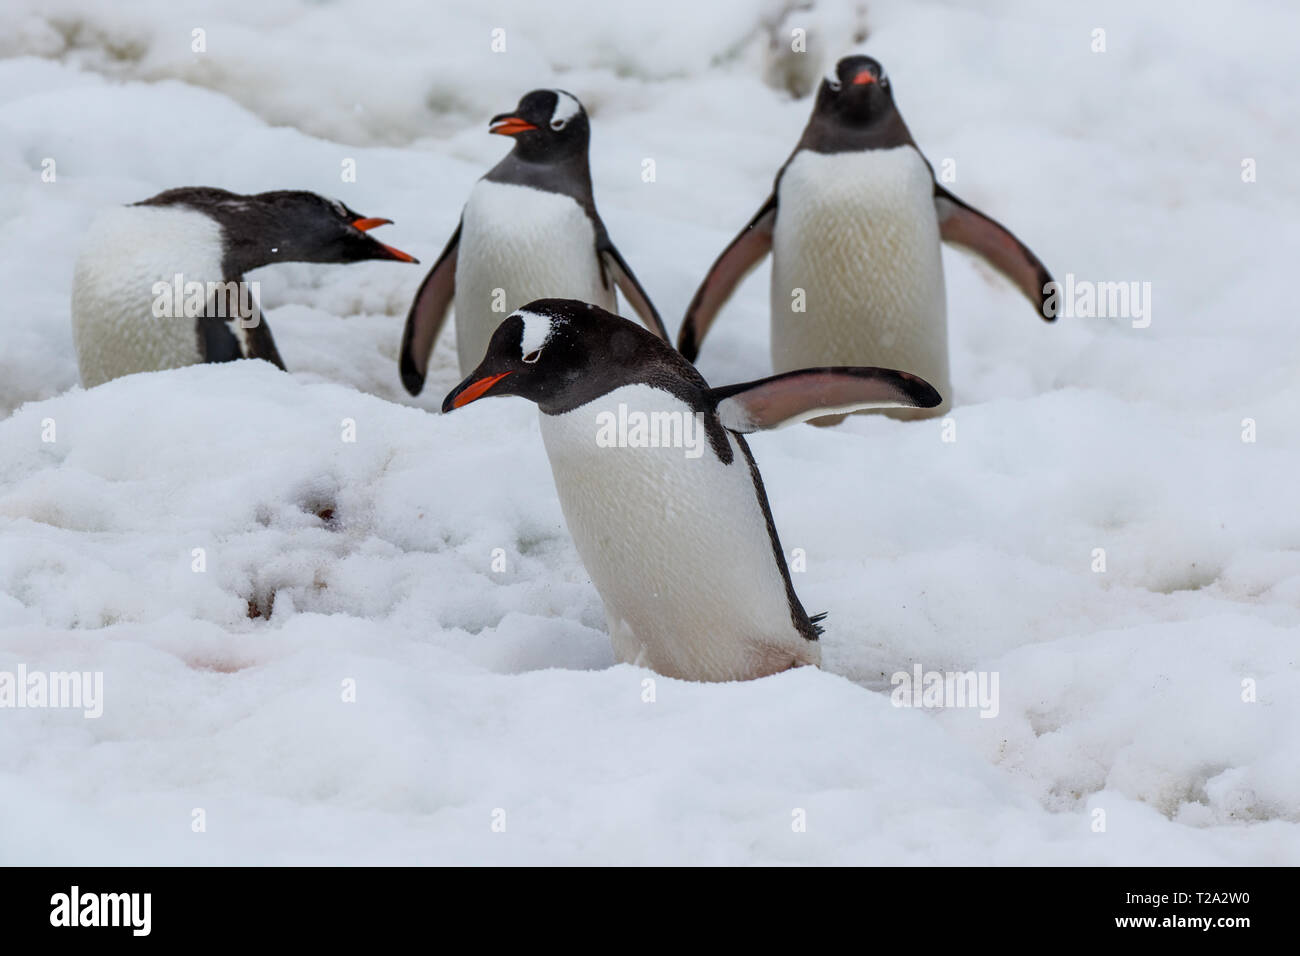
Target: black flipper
[(736, 262), (260, 344), (428, 312), (627, 283), (217, 341), (813, 392), (225, 334), (965, 226)]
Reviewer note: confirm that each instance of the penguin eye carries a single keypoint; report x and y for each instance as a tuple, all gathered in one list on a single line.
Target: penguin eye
[(834, 83), (533, 356), (559, 124)]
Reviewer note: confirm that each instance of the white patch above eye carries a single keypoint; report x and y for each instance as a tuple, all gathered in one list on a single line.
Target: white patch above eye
[(833, 77), (339, 208), (537, 331), (566, 108)]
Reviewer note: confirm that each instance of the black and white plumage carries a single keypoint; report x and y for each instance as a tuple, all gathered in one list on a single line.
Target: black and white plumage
[(204, 235), (681, 547), (854, 224), (529, 230)]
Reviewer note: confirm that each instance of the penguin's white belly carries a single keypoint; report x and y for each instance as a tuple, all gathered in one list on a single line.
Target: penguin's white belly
[(858, 233), (518, 244), (677, 546), (127, 250)]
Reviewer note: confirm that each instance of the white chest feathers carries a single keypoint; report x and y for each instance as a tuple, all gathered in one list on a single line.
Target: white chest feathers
[(126, 251), (857, 277), (518, 244), (674, 540)]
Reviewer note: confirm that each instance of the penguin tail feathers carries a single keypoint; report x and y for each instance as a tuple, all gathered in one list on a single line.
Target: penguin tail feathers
[(816, 622)]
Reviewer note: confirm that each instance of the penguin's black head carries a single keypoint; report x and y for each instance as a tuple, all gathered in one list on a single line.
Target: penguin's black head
[(294, 225), (855, 92), (559, 353), (288, 225), (547, 125)]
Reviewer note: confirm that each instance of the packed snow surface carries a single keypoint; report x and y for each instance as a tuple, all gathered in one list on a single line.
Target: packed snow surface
[(390, 651)]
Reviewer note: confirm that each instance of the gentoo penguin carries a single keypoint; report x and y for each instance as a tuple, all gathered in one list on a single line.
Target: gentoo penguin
[(529, 230), (854, 224), (130, 313), (669, 514)]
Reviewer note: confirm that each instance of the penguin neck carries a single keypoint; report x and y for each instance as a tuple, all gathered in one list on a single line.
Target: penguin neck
[(826, 134), (257, 236), (653, 368), (569, 176)]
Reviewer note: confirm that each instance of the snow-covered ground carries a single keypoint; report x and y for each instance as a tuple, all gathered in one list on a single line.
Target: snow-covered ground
[(487, 697)]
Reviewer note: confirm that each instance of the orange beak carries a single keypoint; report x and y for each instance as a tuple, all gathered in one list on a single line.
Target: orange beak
[(510, 126), (475, 390), (863, 78), (399, 255), (367, 224)]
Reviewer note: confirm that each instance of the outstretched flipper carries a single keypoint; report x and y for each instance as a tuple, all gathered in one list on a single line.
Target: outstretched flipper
[(625, 279), (736, 262), (813, 392), (965, 226), (428, 312)]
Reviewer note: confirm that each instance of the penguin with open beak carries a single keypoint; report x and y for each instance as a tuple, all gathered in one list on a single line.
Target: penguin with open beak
[(199, 238)]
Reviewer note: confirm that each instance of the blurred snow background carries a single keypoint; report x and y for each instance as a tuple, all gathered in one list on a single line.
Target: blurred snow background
[(478, 690)]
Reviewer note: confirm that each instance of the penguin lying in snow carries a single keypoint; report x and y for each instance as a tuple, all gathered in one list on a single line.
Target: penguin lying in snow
[(855, 220), (680, 544), (130, 313), (529, 230)]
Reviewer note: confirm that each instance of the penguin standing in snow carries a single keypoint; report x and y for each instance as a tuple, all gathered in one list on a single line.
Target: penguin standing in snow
[(529, 230), (671, 522), (855, 221), (130, 312)]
